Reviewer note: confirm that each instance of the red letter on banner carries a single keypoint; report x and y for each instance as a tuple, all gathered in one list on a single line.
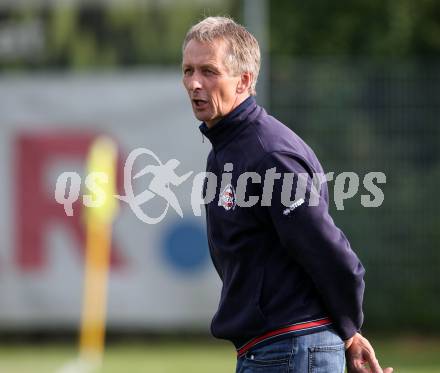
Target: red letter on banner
[(36, 206)]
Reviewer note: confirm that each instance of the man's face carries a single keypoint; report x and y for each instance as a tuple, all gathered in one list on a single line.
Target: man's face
[(212, 89)]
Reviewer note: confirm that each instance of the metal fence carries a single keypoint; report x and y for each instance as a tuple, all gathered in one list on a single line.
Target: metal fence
[(363, 116)]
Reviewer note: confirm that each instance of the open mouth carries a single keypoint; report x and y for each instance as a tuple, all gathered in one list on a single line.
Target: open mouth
[(199, 104)]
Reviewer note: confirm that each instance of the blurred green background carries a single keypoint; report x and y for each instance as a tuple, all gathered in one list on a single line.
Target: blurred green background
[(358, 80), (406, 355)]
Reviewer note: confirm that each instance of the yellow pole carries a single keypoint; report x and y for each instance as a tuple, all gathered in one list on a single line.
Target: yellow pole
[(102, 159)]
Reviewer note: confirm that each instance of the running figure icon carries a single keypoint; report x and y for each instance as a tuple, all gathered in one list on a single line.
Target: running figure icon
[(164, 175)]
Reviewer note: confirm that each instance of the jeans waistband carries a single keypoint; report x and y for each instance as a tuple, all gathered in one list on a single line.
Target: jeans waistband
[(294, 329)]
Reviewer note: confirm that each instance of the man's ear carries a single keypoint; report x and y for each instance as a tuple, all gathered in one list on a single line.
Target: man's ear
[(245, 82)]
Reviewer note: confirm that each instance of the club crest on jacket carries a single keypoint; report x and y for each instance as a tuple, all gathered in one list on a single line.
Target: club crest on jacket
[(227, 198)]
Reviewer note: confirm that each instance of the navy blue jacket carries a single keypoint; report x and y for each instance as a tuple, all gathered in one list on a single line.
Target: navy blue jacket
[(280, 267)]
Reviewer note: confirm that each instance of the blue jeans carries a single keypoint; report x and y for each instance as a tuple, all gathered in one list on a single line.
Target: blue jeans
[(321, 352)]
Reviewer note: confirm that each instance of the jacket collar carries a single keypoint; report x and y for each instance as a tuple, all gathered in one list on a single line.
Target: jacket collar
[(230, 125)]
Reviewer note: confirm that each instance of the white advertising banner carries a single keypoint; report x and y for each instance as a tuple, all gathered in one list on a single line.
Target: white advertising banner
[(161, 275)]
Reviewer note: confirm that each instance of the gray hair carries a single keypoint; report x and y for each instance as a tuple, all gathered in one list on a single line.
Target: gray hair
[(243, 52)]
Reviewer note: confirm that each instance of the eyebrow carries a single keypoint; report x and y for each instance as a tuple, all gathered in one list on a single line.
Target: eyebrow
[(210, 66), (204, 66)]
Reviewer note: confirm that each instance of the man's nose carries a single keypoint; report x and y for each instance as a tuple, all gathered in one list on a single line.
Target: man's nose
[(194, 83)]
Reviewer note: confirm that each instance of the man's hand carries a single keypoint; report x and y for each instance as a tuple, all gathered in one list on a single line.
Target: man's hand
[(361, 357)]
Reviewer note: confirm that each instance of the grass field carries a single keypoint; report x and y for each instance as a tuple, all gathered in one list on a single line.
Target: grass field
[(406, 355)]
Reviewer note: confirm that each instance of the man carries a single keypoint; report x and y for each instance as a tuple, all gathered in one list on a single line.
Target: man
[(292, 287)]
